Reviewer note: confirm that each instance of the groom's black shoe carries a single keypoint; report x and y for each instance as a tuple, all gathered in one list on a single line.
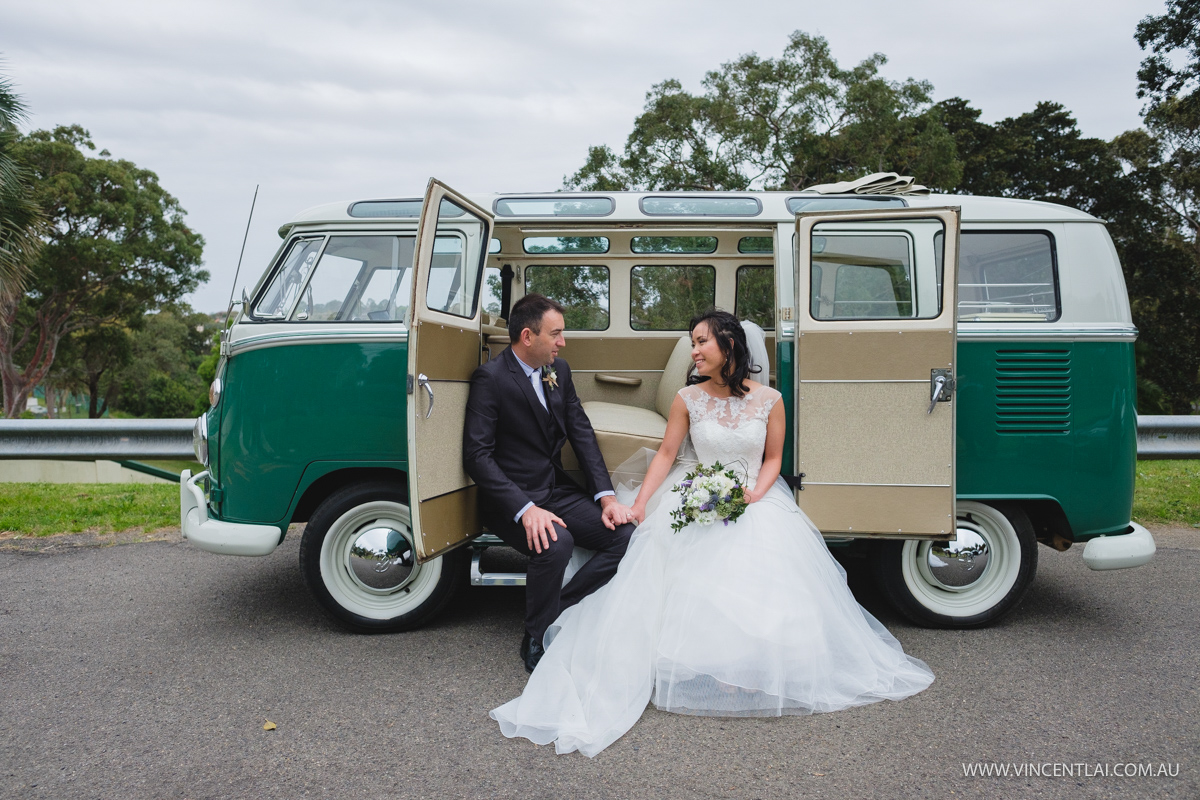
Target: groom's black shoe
[(531, 652)]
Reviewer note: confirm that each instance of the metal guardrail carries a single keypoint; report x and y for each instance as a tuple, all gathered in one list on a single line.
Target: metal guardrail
[(97, 439), (1158, 437), (1168, 436)]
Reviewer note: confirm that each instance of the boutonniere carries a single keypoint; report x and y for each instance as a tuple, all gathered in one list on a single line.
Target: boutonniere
[(550, 376)]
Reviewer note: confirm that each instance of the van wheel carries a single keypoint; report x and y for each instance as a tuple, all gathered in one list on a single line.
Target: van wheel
[(967, 583), (358, 559)]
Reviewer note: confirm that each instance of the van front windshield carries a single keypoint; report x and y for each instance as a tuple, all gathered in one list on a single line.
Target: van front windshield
[(352, 279)]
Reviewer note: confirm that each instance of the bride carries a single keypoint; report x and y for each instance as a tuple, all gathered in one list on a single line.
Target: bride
[(747, 619)]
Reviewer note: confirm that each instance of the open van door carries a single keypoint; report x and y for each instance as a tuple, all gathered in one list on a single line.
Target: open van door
[(876, 303), (443, 350)]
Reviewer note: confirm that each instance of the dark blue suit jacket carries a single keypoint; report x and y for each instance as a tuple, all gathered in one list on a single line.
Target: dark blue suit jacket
[(512, 450)]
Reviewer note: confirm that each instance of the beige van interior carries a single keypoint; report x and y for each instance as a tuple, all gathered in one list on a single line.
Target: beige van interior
[(634, 353)]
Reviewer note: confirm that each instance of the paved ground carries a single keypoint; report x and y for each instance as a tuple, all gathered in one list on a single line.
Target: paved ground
[(149, 669)]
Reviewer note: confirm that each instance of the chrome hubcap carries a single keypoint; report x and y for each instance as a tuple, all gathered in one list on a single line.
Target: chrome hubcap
[(956, 566), (381, 560)]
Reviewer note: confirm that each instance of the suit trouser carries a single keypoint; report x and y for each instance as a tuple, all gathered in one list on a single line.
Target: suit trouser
[(545, 596)]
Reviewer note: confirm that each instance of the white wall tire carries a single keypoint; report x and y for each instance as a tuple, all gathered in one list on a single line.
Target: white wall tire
[(975, 582), (357, 559)]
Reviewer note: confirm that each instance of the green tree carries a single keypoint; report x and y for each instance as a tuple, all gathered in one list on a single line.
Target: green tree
[(778, 123), (162, 376), (21, 221), (99, 354), (1169, 157), (1042, 155), (117, 246)]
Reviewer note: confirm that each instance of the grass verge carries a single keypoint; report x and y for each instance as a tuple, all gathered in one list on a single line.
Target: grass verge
[(1167, 493), (43, 509)]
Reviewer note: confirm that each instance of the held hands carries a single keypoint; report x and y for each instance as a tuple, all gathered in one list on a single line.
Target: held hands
[(539, 528), (613, 513)]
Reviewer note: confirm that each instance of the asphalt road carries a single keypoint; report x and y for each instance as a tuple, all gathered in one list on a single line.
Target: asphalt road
[(149, 670)]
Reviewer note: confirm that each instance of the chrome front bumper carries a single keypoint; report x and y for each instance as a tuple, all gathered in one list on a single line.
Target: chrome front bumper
[(229, 538), (1120, 552)]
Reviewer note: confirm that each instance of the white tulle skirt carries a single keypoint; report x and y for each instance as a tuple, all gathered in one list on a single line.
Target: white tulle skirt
[(749, 619)]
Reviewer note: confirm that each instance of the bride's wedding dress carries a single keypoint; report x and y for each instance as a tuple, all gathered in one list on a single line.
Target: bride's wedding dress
[(748, 619)]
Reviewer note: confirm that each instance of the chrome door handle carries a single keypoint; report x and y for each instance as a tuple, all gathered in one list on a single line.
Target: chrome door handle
[(423, 380), (941, 386)]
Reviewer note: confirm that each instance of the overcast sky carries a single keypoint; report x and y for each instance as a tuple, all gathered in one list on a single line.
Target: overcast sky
[(320, 101)]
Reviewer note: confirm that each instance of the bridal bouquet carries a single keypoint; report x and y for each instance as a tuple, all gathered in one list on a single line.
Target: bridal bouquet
[(709, 494)]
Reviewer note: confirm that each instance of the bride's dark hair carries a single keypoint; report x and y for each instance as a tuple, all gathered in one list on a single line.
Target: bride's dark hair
[(731, 338)]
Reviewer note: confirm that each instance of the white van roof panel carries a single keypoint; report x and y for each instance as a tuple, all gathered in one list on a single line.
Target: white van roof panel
[(774, 208)]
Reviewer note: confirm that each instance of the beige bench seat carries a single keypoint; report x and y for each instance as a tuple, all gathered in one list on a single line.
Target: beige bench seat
[(623, 430)]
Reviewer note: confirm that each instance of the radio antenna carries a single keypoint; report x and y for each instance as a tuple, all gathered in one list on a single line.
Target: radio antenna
[(238, 272)]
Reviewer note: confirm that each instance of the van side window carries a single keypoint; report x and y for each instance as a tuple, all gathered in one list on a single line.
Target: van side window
[(491, 290), (583, 291), (1007, 276), (862, 277), (285, 287), (755, 299), (358, 279), (447, 290), (665, 298)]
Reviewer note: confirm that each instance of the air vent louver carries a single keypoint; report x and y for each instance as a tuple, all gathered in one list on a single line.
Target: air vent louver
[(1033, 392)]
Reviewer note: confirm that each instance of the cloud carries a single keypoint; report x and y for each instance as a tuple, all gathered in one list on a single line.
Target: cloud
[(319, 102)]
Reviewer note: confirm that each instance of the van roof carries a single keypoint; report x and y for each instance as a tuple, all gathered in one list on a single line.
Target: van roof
[(723, 207)]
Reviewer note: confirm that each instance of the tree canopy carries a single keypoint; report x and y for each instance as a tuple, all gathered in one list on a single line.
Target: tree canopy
[(117, 247), (766, 123), (21, 220), (802, 119)]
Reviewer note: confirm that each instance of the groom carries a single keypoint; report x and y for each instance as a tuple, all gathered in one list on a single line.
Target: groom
[(522, 409)]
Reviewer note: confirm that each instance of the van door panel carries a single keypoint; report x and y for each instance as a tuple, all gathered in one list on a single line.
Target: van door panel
[(444, 348), (875, 459)]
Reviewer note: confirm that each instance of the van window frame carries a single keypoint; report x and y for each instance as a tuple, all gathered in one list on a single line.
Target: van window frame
[(274, 273), (608, 278), (737, 291), (914, 276), (1054, 275), (636, 266)]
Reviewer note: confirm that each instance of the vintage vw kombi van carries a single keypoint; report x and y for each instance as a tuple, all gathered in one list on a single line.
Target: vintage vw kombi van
[(958, 377)]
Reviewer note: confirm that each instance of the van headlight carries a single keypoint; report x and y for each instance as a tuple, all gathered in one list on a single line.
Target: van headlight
[(200, 439)]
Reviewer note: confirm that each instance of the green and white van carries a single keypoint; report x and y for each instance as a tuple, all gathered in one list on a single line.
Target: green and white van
[(958, 375)]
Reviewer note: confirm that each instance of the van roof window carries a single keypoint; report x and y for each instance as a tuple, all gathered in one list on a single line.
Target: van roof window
[(386, 208), (798, 204), (702, 206), (554, 206), (673, 244), (406, 209), (566, 244)]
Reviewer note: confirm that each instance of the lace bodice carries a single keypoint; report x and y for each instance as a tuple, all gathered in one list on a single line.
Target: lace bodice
[(732, 430)]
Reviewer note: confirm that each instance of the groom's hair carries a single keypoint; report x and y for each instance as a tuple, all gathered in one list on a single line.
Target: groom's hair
[(528, 312)]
